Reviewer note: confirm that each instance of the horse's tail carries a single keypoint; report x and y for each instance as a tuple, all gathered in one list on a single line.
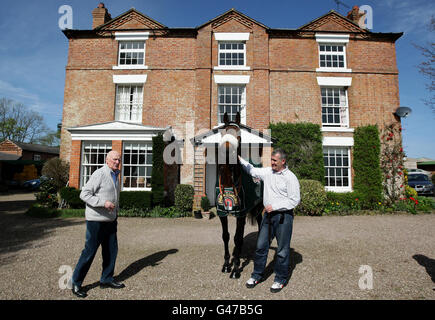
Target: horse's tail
[(255, 213)]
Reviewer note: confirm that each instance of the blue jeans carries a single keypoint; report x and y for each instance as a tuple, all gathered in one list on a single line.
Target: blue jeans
[(98, 233), (283, 233)]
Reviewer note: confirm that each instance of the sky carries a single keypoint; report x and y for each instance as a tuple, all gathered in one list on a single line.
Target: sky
[(33, 49)]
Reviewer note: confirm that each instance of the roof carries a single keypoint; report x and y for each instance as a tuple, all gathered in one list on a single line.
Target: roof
[(232, 11), (352, 27), (36, 147), (115, 125), (132, 10), (426, 163)]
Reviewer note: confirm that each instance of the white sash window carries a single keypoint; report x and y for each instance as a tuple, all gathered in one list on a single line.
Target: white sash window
[(129, 100), (137, 166), (231, 99), (93, 157), (334, 107)]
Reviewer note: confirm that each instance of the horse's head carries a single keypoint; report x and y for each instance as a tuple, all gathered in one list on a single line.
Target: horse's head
[(231, 138)]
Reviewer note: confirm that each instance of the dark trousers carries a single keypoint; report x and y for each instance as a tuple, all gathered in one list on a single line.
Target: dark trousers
[(281, 227), (98, 233)]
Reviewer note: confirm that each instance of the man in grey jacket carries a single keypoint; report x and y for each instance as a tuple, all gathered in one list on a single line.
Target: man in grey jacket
[(101, 195)]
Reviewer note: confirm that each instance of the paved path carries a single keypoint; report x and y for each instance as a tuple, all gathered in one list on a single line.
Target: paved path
[(181, 258)]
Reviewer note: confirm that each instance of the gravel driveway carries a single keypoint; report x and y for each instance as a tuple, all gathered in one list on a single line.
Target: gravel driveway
[(181, 258)]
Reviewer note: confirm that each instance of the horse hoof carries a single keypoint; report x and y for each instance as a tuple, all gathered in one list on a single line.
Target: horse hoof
[(226, 269), (235, 275)]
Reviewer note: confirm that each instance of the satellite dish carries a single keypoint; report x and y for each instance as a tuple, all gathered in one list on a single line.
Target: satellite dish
[(403, 112)]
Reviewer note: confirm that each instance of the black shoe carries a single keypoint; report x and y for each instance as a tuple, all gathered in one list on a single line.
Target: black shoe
[(77, 290), (113, 285)]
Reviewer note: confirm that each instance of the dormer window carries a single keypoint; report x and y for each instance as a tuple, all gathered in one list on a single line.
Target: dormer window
[(131, 50)]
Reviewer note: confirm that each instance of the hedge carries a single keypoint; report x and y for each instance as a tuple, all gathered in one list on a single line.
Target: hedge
[(128, 199), (157, 179), (303, 144), (184, 197), (366, 165)]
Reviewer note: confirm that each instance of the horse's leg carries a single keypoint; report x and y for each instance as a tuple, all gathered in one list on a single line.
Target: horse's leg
[(226, 238), (238, 241)]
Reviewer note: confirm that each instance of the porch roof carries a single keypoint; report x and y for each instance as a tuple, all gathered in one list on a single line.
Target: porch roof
[(115, 130), (249, 136)]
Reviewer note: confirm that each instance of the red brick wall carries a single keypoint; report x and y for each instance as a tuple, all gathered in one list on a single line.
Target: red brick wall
[(74, 167)]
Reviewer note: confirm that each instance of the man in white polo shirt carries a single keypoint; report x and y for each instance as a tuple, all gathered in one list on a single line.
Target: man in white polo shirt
[(281, 195)]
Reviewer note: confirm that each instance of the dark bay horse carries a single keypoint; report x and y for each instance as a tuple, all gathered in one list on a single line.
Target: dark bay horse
[(236, 193)]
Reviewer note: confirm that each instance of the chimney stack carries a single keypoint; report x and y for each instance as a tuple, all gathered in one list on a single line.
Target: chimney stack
[(354, 14), (100, 15)]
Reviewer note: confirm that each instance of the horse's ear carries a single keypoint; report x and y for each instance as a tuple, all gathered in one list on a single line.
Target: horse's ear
[(226, 119), (238, 118)]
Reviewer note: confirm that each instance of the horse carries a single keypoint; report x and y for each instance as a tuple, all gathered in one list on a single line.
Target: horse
[(236, 193)]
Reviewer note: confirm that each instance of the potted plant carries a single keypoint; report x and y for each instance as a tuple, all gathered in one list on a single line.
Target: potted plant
[(205, 205)]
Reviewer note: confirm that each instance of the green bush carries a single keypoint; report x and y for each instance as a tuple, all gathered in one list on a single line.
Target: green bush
[(47, 195), (343, 202), (57, 170), (313, 198), (184, 197), (72, 197), (136, 199), (366, 165), (303, 144)]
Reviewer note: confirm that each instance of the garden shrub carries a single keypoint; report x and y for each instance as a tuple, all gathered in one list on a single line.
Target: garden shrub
[(366, 165), (410, 192), (184, 197), (157, 179), (136, 199), (303, 144), (72, 197), (57, 170), (313, 198), (47, 195)]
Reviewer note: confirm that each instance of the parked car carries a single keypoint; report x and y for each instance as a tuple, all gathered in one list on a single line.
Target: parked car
[(34, 183), (421, 183)]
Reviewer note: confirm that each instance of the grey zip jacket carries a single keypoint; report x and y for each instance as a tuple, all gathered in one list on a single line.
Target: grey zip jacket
[(99, 189)]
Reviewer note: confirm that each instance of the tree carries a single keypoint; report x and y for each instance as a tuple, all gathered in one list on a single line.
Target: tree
[(17, 123), (426, 68)]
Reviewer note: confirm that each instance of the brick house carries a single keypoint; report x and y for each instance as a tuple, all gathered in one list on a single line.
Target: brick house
[(131, 77), (15, 155)]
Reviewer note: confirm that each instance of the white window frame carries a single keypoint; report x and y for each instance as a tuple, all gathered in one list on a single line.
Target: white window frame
[(340, 189), (232, 37), (138, 103), (147, 147), (123, 37), (83, 163), (343, 109), (333, 40), (242, 104)]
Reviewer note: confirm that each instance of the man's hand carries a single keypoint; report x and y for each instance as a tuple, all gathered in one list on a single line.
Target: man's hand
[(268, 208), (109, 205)]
